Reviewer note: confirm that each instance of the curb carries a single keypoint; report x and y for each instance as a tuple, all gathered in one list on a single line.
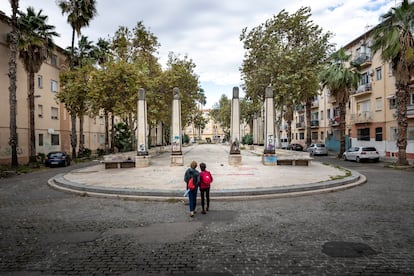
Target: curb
[(356, 179)]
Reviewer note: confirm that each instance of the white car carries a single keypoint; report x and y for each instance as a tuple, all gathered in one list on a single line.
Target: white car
[(361, 153), (317, 149)]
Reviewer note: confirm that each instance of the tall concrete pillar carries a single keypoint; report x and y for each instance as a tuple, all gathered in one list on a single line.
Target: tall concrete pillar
[(177, 158), (269, 157), (160, 138), (142, 159), (255, 129), (235, 157)]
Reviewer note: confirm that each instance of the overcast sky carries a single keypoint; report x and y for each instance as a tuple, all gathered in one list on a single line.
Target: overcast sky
[(208, 30)]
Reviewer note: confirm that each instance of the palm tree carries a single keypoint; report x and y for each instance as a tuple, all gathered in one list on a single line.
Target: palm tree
[(394, 37), (35, 45), (12, 78), (80, 13), (339, 78)]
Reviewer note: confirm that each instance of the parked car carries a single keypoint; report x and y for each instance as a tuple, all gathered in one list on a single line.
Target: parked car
[(361, 153), (57, 158), (294, 146), (317, 149)]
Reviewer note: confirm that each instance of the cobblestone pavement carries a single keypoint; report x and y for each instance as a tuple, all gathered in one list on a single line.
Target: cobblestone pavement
[(365, 230)]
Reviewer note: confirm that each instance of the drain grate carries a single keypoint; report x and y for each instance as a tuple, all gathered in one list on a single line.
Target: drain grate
[(347, 249)]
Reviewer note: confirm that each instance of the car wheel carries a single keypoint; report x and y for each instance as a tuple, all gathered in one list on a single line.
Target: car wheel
[(376, 160), (344, 156), (358, 159)]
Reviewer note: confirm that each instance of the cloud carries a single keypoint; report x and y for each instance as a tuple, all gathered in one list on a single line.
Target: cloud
[(208, 30)]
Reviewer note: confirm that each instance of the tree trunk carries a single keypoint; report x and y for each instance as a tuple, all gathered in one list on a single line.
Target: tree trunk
[(342, 113), (403, 97), (112, 133), (32, 131), (81, 136), (308, 106), (106, 132), (73, 138), (13, 87)]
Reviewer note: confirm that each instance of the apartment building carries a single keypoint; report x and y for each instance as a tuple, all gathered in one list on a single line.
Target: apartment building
[(52, 121), (371, 111)]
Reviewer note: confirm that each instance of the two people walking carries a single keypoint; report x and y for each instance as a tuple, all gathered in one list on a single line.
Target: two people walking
[(201, 180)]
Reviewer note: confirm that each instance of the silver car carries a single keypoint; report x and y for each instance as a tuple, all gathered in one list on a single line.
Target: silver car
[(361, 153), (317, 149)]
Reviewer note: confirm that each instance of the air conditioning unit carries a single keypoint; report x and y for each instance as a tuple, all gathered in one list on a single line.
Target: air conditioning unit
[(50, 130), (371, 72)]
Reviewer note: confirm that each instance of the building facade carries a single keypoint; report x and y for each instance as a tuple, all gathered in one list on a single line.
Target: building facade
[(52, 121), (371, 110)]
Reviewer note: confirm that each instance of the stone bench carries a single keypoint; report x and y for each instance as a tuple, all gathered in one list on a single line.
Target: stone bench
[(112, 164), (293, 161), (120, 160)]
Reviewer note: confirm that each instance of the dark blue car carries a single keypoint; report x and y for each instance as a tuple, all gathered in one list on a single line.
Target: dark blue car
[(57, 158)]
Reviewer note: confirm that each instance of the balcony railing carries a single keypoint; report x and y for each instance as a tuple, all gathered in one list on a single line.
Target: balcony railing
[(314, 123), (334, 121), (300, 125), (362, 117), (363, 89), (363, 60), (410, 110)]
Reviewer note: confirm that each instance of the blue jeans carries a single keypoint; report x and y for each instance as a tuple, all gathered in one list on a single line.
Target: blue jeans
[(192, 198)]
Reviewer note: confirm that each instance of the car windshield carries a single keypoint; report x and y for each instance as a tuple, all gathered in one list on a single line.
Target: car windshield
[(55, 155), (320, 145), (369, 149)]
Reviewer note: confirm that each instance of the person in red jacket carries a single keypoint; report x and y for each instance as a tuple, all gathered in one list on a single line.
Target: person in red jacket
[(205, 180)]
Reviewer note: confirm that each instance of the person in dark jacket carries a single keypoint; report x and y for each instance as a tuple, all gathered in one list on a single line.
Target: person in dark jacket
[(192, 195)]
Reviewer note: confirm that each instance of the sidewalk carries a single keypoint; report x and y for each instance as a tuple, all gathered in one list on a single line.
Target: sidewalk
[(251, 179)]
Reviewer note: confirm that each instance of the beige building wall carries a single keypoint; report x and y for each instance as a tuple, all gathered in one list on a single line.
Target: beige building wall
[(52, 121)]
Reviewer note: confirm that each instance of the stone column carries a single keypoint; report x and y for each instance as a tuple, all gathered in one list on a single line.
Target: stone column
[(160, 138), (255, 129), (235, 157), (177, 158), (142, 159), (269, 156)]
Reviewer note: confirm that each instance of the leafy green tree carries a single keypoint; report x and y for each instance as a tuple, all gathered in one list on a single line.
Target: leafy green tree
[(285, 52), (394, 37), (80, 13), (340, 79), (14, 37), (221, 113), (123, 137), (35, 45)]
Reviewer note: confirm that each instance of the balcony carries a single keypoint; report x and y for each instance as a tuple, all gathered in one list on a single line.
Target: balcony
[(300, 125), (363, 60), (362, 117), (315, 104), (314, 123), (333, 122), (363, 89)]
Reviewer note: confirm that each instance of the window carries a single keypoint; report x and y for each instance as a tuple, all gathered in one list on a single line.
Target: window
[(39, 81), (378, 134), (363, 134), (53, 86), (393, 134), (53, 60), (101, 139), (393, 103), (322, 135), (101, 120), (55, 112), (54, 139), (328, 112), (412, 99), (40, 110), (301, 135), (378, 104), (378, 73), (40, 139), (364, 78), (314, 135), (322, 114)]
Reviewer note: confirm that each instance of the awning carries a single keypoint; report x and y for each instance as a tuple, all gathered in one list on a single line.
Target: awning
[(391, 96)]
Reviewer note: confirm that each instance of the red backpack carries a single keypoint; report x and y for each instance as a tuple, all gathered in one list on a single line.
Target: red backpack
[(191, 185), (206, 178)]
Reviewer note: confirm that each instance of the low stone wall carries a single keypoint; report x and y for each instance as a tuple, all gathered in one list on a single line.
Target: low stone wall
[(120, 160)]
